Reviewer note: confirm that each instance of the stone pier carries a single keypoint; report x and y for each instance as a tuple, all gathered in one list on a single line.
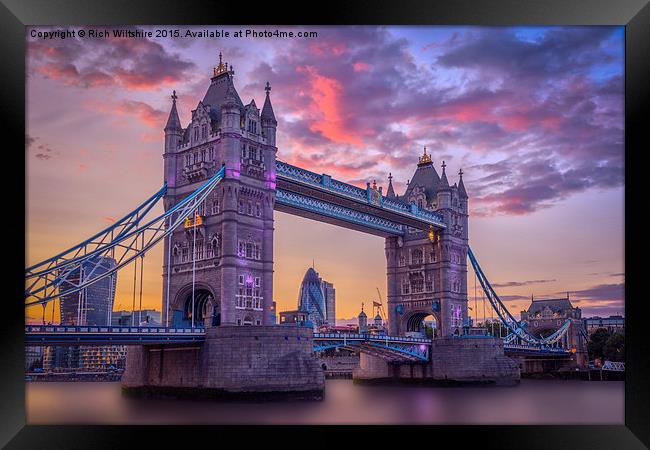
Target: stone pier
[(233, 362), (453, 360)]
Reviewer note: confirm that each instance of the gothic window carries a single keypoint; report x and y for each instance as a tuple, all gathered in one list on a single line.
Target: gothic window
[(215, 246), (253, 153), (215, 206), (241, 207), (417, 283), (204, 131), (198, 251), (257, 251), (402, 261), (429, 284), (249, 250), (175, 253), (257, 282), (241, 279), (258, 210), (432, 256), (405, 286), (243, 151), (184, 254), (196, 133), (188, 161), (416, 256), (211, 152), (249, 208), (420, 205)]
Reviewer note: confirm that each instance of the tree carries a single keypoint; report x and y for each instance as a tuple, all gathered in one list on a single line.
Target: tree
[(614, 348), (596, 343)]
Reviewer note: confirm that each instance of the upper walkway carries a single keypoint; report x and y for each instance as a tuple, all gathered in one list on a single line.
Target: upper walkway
[(319, 196)]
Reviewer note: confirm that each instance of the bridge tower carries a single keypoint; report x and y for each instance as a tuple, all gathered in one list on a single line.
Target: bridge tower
[(218, 269), (427, 272)]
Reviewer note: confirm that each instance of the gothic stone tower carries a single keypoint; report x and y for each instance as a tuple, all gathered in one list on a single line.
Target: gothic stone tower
[(220, 269), (427, 272)]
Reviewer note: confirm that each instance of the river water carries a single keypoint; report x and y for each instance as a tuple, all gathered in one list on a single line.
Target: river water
[(531, 402)]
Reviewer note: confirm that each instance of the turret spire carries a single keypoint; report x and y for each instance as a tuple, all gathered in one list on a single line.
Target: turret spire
[(461, 186), (173, 122), (443, 178), (390, 192), (267, 109)]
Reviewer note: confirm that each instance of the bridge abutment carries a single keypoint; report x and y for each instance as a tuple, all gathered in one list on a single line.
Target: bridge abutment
[(237, 362), (462, 360)]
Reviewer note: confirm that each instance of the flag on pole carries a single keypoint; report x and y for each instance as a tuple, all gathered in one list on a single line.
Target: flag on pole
[(374, 303)]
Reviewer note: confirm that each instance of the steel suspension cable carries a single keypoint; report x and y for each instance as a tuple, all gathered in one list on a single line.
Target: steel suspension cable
[(141, 282)]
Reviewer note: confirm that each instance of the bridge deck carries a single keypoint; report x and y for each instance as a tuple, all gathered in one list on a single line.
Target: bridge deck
[(390, 347)]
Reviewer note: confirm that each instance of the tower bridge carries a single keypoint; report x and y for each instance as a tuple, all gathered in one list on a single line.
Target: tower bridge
[(222, 184)]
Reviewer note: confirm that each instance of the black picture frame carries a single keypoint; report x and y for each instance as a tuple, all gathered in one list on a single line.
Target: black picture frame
[(16, 14)]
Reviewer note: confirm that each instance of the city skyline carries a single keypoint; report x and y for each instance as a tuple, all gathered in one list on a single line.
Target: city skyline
[(552, 161)]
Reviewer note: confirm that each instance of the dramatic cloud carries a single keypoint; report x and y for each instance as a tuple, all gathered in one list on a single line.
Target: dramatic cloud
[(534, 119), (128, 63), (520, 283), (603, 292)]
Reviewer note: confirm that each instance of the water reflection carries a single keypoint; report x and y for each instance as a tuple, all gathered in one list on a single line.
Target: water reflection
[(532, 402)]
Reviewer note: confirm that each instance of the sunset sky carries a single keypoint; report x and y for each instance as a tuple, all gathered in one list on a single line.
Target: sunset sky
[(533, 116)]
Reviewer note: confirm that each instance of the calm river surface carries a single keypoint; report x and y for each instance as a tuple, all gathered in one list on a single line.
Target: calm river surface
[(532, 402)]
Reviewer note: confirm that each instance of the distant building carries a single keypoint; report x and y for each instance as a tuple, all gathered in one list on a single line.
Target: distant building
[(317, 298), (363, 321), (90, 306), (102, 357), (33, 357), (146, 318), (611, 324), (330, 302), (545, 316), (60, 358), (94, 304), (291, 317)]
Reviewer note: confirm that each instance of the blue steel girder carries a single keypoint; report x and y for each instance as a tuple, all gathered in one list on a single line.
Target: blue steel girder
[(287, 201), (369, 201), (388, 347)]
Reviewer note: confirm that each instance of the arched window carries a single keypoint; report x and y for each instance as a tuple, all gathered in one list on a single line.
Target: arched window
[(402, 261), (215, 205), (175, 253), (405, 286), (416, 257), (429, 283)]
